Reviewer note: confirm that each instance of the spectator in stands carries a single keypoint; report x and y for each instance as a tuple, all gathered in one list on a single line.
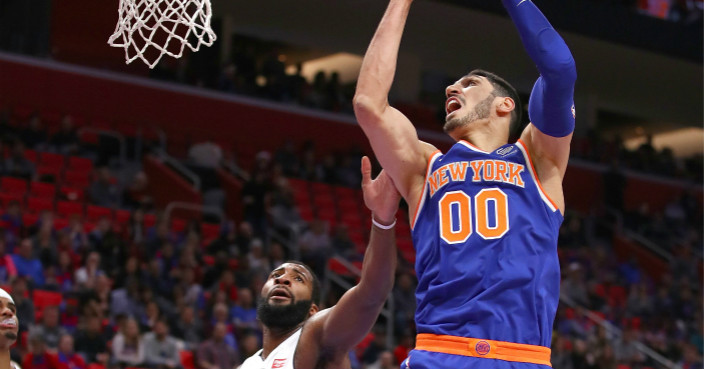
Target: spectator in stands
[(161, 350), (45, 246), (8, 272), (28, 265), (404, 300), (65, 140), (24, 304), (342, 245), (277, 255), (221, 314), (215, 353), (11, 221), (287, 158), (125, 300), (205, 154), (244, 313), (90, 341), (189, 327), (128, 345), (315, 246), (76, 234), (386, 361), (67, 356), (376, 346), (86, 276), (244, 237), (136, 195), (39, 357), (560, 354), (17, 164), (103, 191), (251, 343), (255, 199), (49, 329), (34, 135)]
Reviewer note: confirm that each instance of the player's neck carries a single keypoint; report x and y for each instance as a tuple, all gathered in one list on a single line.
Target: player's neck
[(483, 138), (274, 337), (5, 359)]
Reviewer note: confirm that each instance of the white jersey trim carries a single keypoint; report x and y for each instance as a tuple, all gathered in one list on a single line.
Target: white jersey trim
[(531, 170)]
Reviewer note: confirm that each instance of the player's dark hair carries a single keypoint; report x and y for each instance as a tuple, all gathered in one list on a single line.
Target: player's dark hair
[(504, 89), (315, 296)]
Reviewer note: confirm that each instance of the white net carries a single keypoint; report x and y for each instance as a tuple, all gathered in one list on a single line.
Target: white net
[(148, 29)]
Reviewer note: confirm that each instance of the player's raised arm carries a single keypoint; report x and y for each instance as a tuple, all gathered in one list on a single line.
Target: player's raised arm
[(340, 328), (551, 106), (392, 136)]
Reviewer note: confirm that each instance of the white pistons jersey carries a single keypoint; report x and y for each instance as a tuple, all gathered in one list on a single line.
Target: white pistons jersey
[(280, 358)]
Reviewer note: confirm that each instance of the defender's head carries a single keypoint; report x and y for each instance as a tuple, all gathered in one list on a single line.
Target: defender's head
[(478, 96), (290, 295), (9, 325)]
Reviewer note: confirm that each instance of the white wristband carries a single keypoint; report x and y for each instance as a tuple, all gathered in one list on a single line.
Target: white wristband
[(384, 227)]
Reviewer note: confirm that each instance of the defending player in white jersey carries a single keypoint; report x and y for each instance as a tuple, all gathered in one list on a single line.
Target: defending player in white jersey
[(298, 335), (9, 326)]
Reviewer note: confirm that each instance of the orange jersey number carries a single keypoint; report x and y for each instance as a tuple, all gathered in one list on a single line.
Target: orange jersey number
[(490, 198)]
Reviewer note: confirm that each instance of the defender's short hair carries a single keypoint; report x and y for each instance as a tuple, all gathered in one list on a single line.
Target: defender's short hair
[(315, 296)]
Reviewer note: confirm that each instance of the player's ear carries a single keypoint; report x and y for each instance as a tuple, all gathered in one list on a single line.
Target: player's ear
[(313, 309), (506, 106)]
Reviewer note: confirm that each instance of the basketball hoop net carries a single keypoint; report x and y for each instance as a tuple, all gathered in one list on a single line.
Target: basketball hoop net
[(148, 29)]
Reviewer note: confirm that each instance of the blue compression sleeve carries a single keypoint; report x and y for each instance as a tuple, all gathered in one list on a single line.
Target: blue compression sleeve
[(551, 105)]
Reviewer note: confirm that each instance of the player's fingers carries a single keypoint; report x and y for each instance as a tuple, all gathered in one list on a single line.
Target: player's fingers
[(366, 170)]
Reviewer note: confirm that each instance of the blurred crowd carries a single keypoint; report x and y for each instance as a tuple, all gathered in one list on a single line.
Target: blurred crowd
[(149, 294)]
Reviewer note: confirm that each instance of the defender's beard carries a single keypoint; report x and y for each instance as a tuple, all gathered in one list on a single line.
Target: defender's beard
[(481, 111), (283, 316), (11, 336)]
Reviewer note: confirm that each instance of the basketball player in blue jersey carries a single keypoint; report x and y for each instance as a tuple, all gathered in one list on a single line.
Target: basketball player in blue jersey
[(298, 335), (485, 215)]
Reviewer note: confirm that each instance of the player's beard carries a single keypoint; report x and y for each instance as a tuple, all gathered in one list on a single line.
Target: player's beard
[(11, 336), (283, 317), (481, 111)]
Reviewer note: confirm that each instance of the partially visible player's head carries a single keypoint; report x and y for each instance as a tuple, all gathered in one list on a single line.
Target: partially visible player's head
[(9, 324), (473, 97), (290, 295)]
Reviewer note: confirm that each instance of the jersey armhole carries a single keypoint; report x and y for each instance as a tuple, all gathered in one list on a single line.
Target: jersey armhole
[(548, 201), (421, 198)]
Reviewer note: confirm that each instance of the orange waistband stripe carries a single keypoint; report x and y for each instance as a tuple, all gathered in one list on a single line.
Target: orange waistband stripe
[(488, 349)]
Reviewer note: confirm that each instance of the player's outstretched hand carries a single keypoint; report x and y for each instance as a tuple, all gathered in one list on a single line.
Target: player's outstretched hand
[(380, 194)]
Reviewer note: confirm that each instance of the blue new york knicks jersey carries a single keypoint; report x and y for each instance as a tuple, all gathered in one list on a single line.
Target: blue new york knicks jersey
[(486, 243)]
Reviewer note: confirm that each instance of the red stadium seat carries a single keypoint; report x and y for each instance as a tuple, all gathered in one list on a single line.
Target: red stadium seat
[(37, 204), (41, 189), (29, 219), (178, 225), (209, 231), (60, 223), (187, 360), (149, 220), (13, 185), (94, 213), (7, 198), (122, 216), (68, 208), (51, 159), (79, 163), (43, 299), (77, 178), (49, 173)]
